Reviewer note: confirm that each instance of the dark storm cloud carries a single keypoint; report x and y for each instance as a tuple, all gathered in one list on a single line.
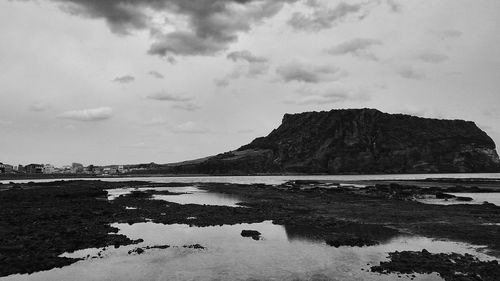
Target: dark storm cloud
[(186, 44), (323, 17), (309, 73), (359, 47), (212, 25), (124, 79)]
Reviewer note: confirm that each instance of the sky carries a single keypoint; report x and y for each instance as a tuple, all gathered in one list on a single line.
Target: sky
[(139, 81)]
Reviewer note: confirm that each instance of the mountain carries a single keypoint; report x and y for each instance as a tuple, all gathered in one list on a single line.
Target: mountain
[(357, 141)]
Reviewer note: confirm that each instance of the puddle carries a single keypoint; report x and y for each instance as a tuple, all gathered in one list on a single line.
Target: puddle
[(477, 198), (229, 256), (201, 198), (193, 195)]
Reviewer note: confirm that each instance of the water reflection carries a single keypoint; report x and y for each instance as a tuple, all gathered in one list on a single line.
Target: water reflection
[(186, 195), (228, 256), (197, 196), (477, 198)]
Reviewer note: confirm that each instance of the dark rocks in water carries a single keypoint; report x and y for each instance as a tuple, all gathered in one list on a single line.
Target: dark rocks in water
[(251, 233), (441, 195), (450, 267), (141, 250), (357, 141), (39, 223), (136, 251), (159, 247), (463, 199), (194, 246)]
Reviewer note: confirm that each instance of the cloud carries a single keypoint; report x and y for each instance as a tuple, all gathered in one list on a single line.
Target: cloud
[(156, 74), (249, 66), (409, 72), (165, 96), (156, 121), (332, 95), (5, 123), (246, 56), (221, 83), (189, 127), (395, 6), (186, 44), (323, 17), (431, 57), (358, 47), (449, 33), (38, 106), (186, 106), (492, 113), (95, 114), (138, 145), (309, 73), (124, 79), (185, 27)]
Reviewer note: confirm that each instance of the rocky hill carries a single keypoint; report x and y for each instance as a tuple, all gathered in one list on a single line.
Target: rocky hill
[(357, 141)]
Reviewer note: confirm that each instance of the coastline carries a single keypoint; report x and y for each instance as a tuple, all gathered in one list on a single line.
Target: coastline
[(338, 216)]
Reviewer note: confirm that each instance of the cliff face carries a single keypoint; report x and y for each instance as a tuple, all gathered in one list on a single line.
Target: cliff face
[(360, 141)]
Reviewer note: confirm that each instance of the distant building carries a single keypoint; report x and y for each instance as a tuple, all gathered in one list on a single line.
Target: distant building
[(48, 169), (8, 169), (66, 169), (77, 168), (21, 169), (34, 169), (97, 170), (110, 170)]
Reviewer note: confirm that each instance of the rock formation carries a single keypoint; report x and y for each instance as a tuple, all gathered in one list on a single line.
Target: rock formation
[(357, 141)]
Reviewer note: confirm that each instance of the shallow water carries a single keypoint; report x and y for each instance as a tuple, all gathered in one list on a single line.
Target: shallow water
[(193, 195), (282, 254), (477, 198), (279, 179), (229, 256)]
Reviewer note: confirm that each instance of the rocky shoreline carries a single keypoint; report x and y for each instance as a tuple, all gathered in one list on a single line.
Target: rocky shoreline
[(450, 267), (40, 221)]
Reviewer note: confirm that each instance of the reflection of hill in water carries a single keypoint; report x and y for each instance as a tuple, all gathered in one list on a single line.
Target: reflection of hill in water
[(314, 233)]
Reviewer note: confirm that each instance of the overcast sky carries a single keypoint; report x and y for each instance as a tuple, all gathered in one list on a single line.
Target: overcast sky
[(122, 81)]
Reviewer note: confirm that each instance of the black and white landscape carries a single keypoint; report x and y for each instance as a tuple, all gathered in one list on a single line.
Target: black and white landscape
[(249, 140)]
